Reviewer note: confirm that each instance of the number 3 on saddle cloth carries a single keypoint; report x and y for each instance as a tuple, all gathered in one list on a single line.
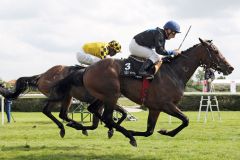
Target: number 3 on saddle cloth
[(130, 68)]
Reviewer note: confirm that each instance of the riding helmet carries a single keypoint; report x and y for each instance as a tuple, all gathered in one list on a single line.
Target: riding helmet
[(174, 26), (115, 45)]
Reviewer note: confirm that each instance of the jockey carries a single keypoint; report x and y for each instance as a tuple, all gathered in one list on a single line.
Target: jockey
[(94, 52), (142, 45)]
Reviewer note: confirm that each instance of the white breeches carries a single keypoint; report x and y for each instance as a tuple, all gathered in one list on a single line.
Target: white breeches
[(85, 58), (144, 52)]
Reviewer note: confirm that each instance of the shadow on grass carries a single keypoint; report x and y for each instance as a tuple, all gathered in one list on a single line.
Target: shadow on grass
[(39, 122), (65, 156), (29, 148), (61, 153)]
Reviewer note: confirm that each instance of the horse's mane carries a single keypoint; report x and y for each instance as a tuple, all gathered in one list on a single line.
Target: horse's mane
[(168, 69), (189, 49)]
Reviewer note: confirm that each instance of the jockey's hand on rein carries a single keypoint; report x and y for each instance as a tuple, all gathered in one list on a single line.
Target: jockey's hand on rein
[(177, 52), (167, 59)]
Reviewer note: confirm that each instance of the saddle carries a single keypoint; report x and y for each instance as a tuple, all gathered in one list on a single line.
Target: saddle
[(132, 64), (77, 68)]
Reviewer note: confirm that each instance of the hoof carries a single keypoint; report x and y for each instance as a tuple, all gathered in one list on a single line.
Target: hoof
[(110, 133), (62, 133), (84, 132), (163, 132), (133, 143), (75, 125), (166, 133), (70, 124)]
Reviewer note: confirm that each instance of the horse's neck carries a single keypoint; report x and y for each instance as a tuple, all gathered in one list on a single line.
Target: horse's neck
[(184, 67)]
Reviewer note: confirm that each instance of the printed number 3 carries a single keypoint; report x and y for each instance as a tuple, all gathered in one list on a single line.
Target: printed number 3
[(127, 66)]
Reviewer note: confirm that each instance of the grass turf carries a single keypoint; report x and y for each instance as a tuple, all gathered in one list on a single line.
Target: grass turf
[(34, 136)]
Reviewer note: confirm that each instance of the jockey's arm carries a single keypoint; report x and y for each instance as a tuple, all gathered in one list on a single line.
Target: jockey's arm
[(168, 52), (160, 50), (159, 45), (103, 52)]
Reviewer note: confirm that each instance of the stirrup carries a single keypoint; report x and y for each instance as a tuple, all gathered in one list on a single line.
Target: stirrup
[(147, 75)]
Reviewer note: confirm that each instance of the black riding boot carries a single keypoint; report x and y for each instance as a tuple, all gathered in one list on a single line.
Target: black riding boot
[(143, 71)]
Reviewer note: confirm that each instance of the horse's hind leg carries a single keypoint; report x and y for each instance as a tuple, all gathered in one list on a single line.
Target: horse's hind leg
[(124, 115), (5, 92), (151, 123), (123, 112), (47, 112), (174, 111), (96, 108), (65, 104)]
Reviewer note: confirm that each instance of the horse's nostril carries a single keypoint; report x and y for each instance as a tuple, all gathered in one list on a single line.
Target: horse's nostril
[(231, 68)]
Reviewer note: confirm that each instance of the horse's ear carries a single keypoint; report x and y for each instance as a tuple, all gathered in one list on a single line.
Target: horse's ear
[(210, 41), (202, 41)]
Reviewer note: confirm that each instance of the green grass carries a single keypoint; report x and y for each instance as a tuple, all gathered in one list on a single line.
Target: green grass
[(126, 102), (35, 137)]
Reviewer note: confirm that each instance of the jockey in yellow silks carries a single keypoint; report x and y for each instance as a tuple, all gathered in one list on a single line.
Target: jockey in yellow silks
[(93, 52)]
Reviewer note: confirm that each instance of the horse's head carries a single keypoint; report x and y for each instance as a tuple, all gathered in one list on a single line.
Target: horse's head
[(214, 59)]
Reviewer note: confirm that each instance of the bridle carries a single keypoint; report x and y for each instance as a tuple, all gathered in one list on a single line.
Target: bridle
[(214, 65)]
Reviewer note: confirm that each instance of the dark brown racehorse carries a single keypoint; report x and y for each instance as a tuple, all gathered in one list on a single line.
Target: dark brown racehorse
[(44, 82), (103, 81)]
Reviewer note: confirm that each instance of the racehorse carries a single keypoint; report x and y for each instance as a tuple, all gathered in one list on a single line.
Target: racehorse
[(44, 82), (104, 81)]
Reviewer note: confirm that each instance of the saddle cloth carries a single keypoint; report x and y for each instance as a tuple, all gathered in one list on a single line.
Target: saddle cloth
[(131, 65)]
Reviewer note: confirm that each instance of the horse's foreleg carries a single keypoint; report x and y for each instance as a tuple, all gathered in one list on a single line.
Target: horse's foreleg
[(47, 112), (174, 111), (151, 123)]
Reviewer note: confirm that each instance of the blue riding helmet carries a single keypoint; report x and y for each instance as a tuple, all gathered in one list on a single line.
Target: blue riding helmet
[(174, 26)]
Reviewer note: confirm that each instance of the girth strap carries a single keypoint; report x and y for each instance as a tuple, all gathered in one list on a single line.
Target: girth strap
[(145, 86)]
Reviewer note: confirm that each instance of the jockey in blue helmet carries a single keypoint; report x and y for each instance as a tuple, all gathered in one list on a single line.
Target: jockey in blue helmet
[(150, 44)]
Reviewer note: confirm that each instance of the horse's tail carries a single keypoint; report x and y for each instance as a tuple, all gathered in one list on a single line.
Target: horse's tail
[(62, 88), (21, 85)]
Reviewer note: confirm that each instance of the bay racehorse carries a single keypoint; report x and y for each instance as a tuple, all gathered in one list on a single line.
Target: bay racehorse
[(44, 82), (104, 81)]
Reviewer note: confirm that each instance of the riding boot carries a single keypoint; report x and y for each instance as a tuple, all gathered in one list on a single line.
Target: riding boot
[(143, 71)]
